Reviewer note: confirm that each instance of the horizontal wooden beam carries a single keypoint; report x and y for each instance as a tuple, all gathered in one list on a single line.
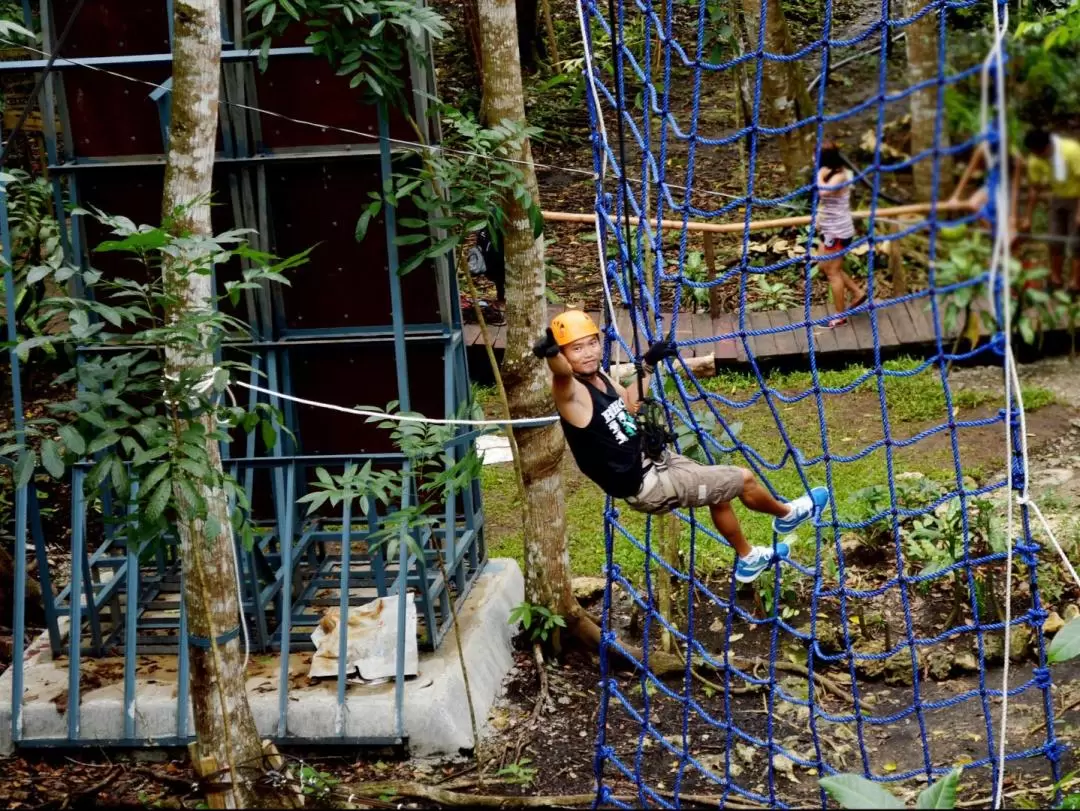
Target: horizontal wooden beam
[(761, 225)]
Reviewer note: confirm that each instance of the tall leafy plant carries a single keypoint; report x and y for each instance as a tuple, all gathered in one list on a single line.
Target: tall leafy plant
[(131, 424)]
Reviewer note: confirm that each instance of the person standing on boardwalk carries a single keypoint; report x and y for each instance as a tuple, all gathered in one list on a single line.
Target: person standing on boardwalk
[(837, 229), (597, 419)]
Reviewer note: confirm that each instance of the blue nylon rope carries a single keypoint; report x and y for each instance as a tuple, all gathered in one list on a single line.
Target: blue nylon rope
[(654, 132)]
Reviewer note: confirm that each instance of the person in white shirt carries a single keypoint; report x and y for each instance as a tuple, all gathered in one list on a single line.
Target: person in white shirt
[(837, 228)]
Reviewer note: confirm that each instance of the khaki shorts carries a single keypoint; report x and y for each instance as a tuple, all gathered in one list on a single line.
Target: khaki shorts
[(682, 482)]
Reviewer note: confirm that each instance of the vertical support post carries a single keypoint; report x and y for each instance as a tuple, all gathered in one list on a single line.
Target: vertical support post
[(403, 594), (21, 493), (182, 670), (131, 615), (449, 545), (710, 266), (285, 620), (343, 614), (397, 314), (78, 532)]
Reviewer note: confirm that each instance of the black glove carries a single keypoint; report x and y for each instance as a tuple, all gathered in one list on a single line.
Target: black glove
[(658, 352), (546, 347)]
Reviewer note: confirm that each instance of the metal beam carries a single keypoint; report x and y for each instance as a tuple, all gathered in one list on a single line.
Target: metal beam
[(344, 152), (138, 60)]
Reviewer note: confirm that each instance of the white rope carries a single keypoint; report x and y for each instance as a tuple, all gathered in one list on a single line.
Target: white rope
[(1000, 261), (1001, 265), (359, 412), (591, 80)]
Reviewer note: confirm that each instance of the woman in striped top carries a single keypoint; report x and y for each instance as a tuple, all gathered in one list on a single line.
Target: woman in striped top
[(836, 227)]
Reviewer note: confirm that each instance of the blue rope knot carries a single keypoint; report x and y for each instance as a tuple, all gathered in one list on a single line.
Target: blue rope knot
[(1037, 616), (1041, 676), (1055, 749), (1027, 551), (607, 638), (1018, 477)]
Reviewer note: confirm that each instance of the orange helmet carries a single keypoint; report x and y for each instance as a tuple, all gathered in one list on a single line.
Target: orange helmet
[(570, 326)]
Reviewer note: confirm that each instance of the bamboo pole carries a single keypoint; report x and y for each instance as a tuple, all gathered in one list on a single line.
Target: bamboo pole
[(761, 225)]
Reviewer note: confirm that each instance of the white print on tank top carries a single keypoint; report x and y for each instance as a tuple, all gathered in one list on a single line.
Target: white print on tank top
[(619, 421)]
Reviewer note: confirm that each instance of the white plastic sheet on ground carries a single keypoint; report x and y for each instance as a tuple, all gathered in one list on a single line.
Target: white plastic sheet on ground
[(371, 642), (494, 449)]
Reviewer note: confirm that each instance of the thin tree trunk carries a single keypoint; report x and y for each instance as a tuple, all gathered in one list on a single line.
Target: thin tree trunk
[(472, 30), (784, 97), (224, 726), (547, 551), (547, 554), (553, 43), (922, 57)]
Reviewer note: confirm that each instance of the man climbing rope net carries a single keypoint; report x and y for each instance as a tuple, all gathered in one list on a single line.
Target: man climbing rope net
[(606, 441)]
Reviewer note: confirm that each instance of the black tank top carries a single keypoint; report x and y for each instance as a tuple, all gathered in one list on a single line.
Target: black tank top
[(608, 449)]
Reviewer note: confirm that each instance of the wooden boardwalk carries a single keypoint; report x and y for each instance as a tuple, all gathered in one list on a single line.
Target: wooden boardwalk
[(904, 327)]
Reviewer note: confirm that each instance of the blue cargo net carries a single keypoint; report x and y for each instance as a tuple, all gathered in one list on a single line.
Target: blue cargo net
[(780, 695)]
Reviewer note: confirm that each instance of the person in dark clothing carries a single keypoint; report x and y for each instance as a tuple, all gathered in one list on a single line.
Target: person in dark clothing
[(597, 419), (488, 260)]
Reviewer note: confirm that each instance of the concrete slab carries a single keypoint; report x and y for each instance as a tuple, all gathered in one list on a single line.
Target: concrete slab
[(436, 714)]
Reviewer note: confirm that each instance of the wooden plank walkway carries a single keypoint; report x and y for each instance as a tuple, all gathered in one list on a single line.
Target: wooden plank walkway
[(780, 336)]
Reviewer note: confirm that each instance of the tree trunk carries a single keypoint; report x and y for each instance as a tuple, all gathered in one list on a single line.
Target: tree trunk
[(224, 726), (547, 554), (784, 97), (922, 57)]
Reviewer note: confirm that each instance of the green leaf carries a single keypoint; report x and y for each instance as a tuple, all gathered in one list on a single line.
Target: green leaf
[(854, 791), (50, 458), (73, 440), (155, 505), (99, 471), (1066, 644), (269, 435), (155, 476), (941, 794), (34, 343), (102, 442), (212, 528), (38, 273), (24, 468)]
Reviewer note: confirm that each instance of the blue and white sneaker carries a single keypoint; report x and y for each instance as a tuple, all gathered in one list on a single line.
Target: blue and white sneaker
[(802, 508), (759, 559)]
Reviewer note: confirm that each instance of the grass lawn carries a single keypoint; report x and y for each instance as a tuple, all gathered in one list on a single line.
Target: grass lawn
[(913, 401)]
